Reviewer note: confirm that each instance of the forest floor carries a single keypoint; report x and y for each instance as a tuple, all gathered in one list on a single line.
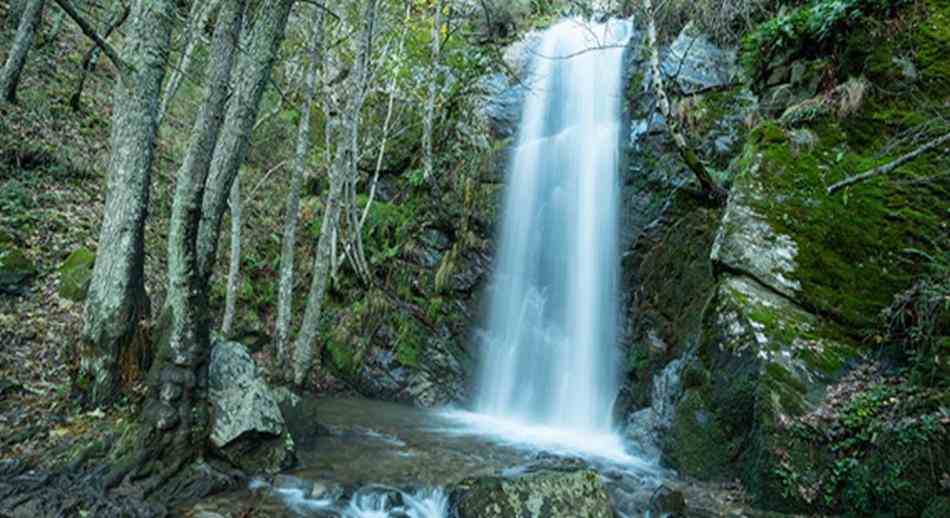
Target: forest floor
[(51, 197)]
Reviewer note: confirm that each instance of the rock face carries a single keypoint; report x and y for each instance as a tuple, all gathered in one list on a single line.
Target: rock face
[(248, 428), (697, 63), (75, 274), (799, 277), (541, 494)]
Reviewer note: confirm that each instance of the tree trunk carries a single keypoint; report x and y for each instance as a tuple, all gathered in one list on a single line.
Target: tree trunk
[(341, 173), (22, 43), (303, 347), (285, 297), (89, 61), (234, 268), (433, 90), (117, 301), (178, 380), (201, 12), (259, 52), (709, 186)]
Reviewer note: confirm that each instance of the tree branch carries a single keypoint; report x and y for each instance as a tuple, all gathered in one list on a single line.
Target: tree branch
[(89, 31), (890, 166)]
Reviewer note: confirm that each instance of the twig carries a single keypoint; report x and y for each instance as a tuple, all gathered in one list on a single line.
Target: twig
[(890, 166)]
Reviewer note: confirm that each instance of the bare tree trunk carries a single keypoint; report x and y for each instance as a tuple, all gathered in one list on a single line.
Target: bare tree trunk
[(433, 90), (285, 296), (710, 187), (178, 380), (345, 167), (234, 268), (117, 301), (259, 52), (386, 123), (201, 12), (89, 61), (22, 43), (303, 347)]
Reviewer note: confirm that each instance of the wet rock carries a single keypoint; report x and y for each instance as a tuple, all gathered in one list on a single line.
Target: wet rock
[(75, 274), (546, 493), (248, 428), (668, 502)]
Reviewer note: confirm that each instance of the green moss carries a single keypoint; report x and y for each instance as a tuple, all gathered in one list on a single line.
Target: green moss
[(851, 247), (698, 446), (75, 274)]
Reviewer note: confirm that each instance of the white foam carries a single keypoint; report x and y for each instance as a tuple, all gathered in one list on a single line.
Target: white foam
[(590, 445)]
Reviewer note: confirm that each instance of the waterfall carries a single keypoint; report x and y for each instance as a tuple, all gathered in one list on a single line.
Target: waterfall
[(549, 349)]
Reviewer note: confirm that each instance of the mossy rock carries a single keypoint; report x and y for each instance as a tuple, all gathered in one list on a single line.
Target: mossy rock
[(697, 446), (16, 269), (546, 493), (768, 362), (75, 274)]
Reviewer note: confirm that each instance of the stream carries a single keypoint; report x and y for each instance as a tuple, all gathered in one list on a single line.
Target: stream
[(378, 459)]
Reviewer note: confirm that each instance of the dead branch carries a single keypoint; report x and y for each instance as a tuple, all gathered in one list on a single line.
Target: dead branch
[(890, 166), (90, 32)]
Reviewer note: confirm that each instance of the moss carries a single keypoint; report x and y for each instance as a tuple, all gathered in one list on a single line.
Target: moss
[(75, 274), (851, 258), (697, 444)]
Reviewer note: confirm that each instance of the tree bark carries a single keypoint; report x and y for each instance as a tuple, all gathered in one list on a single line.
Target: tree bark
[(259, 52), (709, 186), (117, 302), (303, 347), (289, 245), (234, 268), (178, 380), (22, 43), (433, 90), (201, 12)]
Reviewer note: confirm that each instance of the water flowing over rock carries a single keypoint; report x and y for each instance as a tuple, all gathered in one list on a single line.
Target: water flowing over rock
[(645, 428), (550, 344)]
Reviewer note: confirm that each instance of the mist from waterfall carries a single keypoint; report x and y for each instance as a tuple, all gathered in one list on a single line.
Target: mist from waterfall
[(549, 348)]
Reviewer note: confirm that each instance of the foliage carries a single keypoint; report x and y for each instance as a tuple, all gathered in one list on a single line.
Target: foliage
[(807, 29), (869, 448), (918, 324)]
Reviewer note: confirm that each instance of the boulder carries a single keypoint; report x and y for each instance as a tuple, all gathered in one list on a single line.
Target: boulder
[(545, 493), (248, 428), (75, 274), (697, 63)]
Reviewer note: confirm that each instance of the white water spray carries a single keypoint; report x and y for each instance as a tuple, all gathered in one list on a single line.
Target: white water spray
[(550, 346)]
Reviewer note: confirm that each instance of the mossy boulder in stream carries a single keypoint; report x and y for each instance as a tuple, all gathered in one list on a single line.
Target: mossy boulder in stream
[(541, 494)]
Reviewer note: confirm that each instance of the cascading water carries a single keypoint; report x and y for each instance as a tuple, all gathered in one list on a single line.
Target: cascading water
[(550, 344)]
